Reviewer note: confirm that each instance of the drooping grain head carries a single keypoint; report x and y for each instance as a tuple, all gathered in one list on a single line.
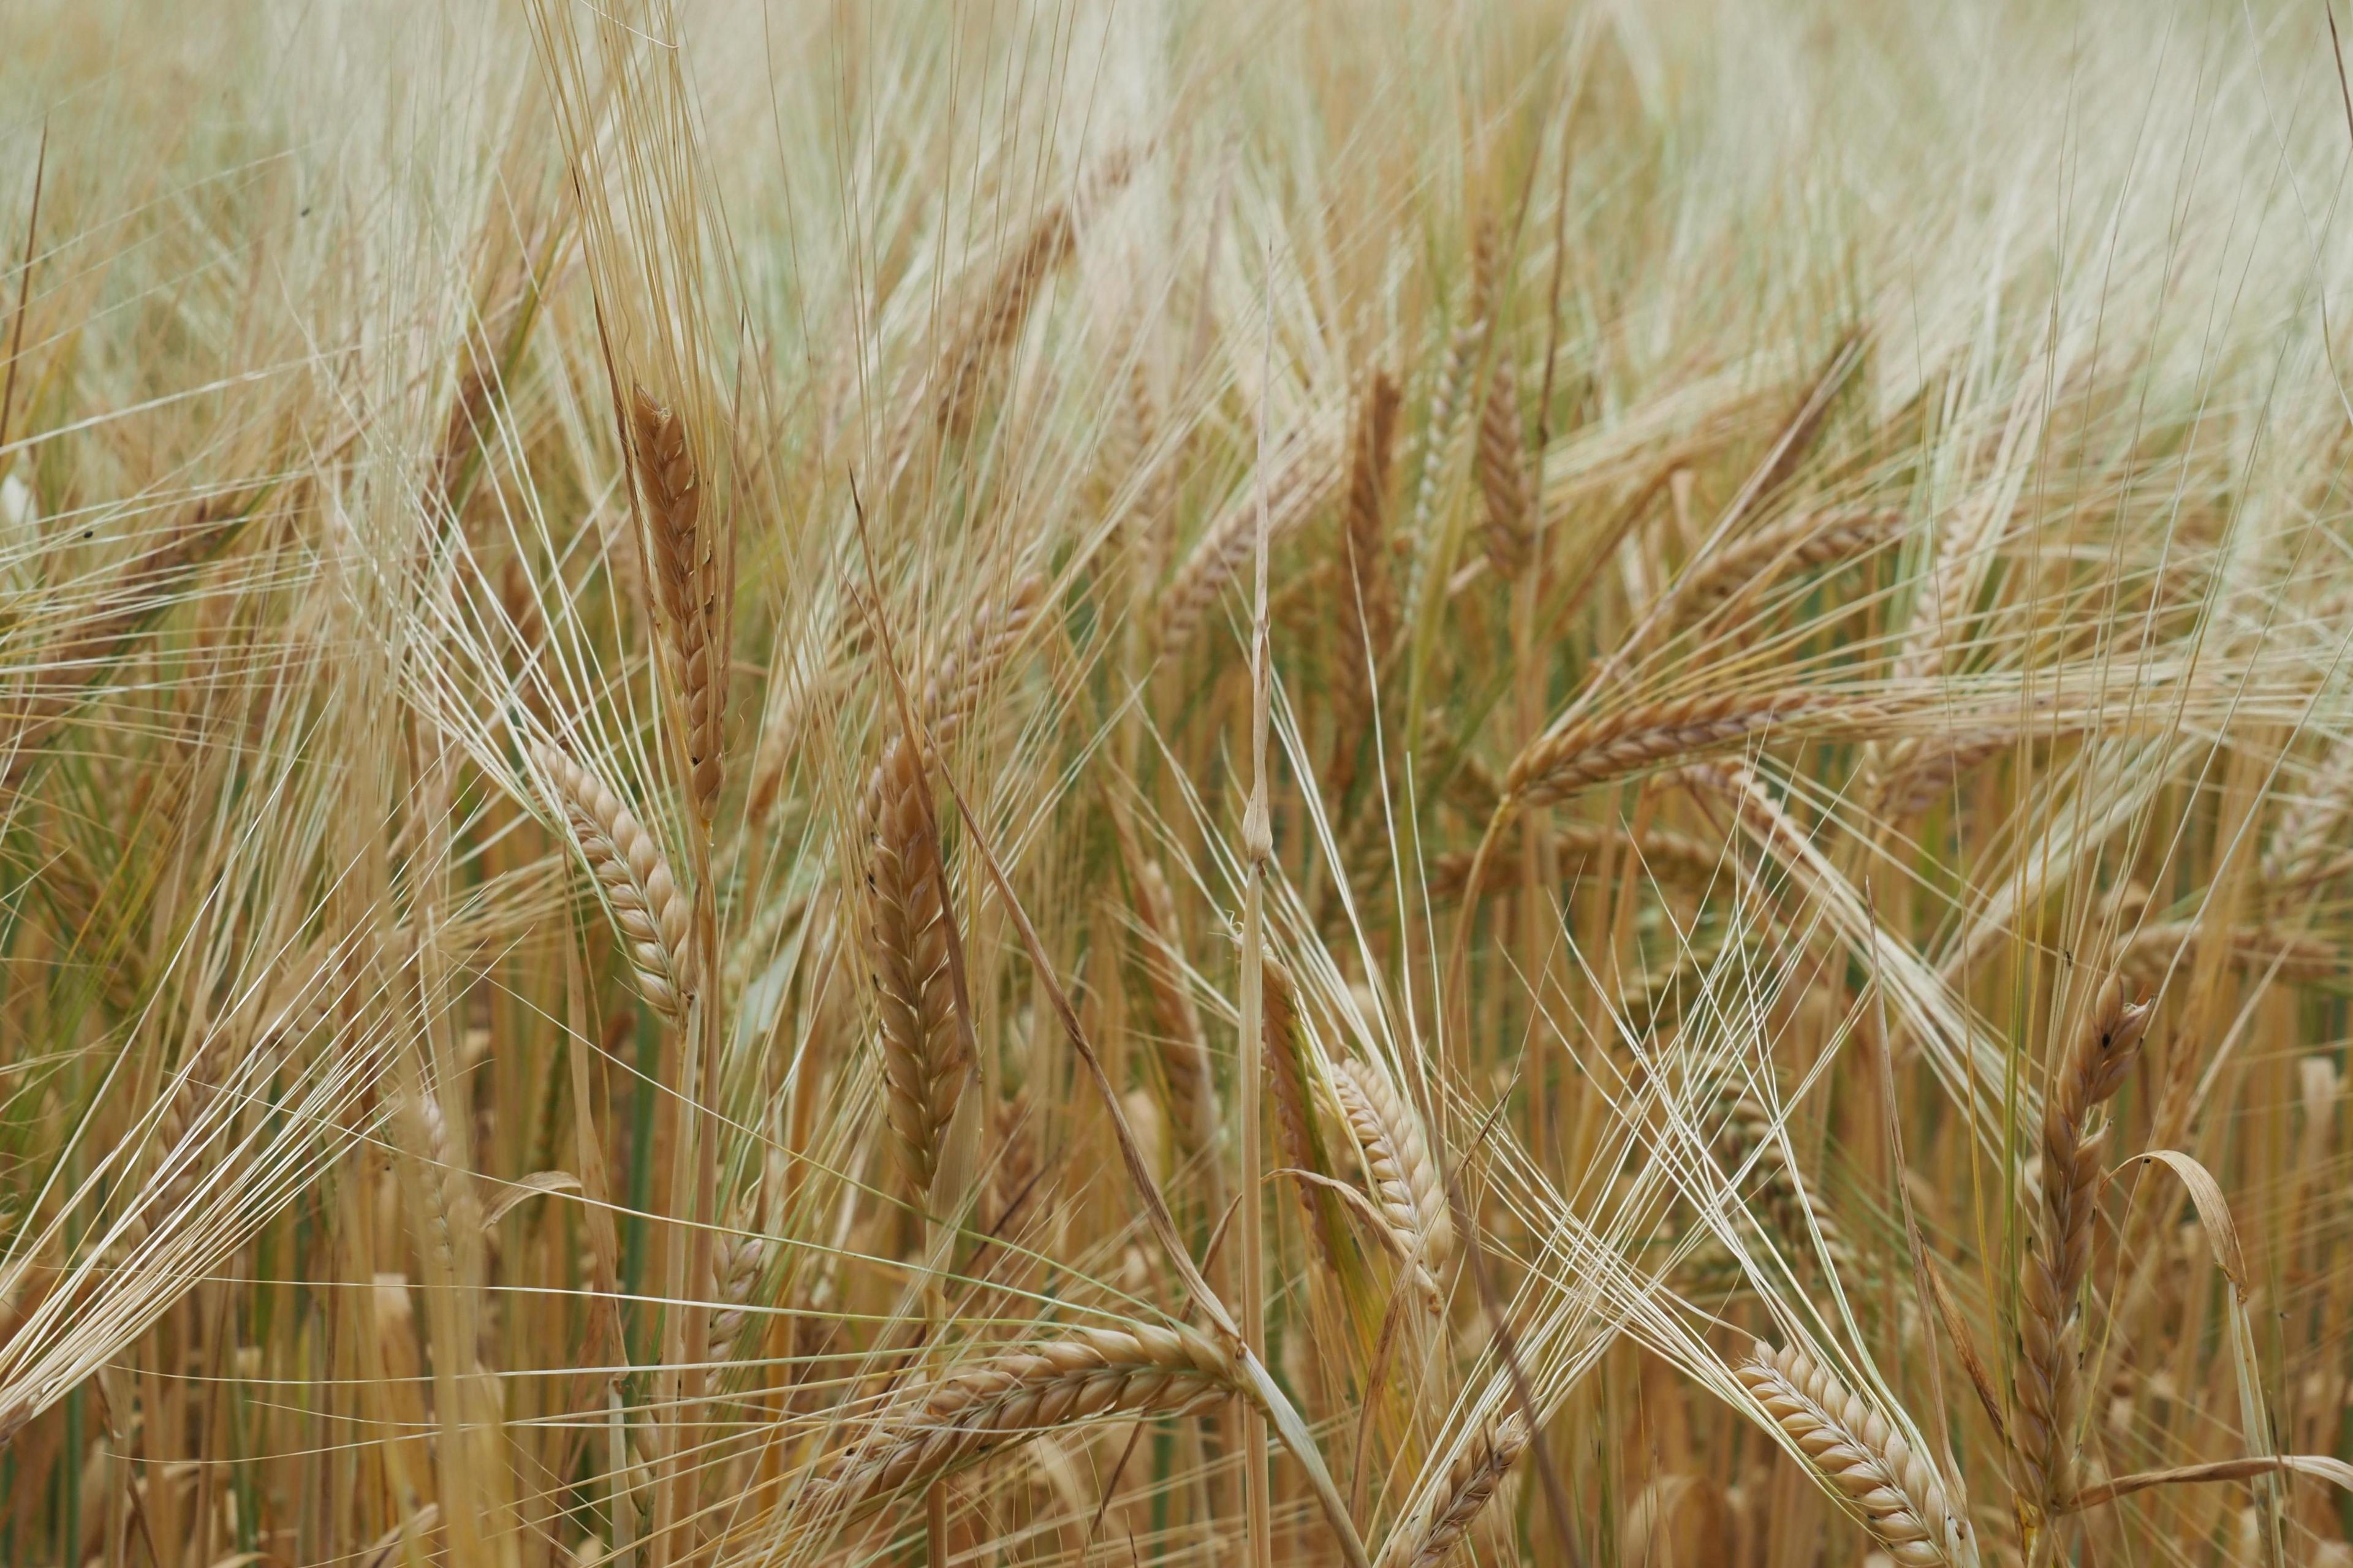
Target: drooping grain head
[(1478, 1471), (651, 915), (1097, 1374), (1859, 1454)]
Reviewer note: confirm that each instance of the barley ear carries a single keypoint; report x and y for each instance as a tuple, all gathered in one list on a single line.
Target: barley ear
[(1404, 1179), (738, 1260), (1368, 605), (1504, 475), (2050, 1396), (1612, 746), (1012, 293), (1808, 539), (686, 580), (1097, 1374), (1858, 1453), (1295, 1133), (923, 1058), (651, 915), (1745, 1137), (2299, 852), (953, 691), (1426, 1536)]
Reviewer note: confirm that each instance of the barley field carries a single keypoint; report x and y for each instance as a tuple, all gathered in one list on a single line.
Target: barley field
[(1176, 784)]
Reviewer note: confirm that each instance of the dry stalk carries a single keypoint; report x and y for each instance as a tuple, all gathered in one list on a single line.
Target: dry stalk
[(651, 916), (1433, 1532), (1858, 1453), (2050, 1396)]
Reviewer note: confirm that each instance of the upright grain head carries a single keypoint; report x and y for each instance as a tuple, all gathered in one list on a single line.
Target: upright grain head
[(687, 581)]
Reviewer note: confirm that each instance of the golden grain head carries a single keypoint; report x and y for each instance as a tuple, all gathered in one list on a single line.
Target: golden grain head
[(1740, 960)]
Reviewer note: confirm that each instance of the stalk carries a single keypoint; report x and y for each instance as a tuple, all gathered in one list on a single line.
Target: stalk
[(1258, 848)]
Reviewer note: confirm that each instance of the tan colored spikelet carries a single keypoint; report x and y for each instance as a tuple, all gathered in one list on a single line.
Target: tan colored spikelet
[(953, 691), (104, 632), (2145, 952), (1287, 1091), (1858, 1453), (1922, 772), (1014, 1175), (1293, 492), (686, 579), (1183, 1044), (1798, 543), (1404, 1179), (1612, 746), (1678, 1518), (2049, 1393), (1475, 787), (293, 1007), (1125, 432), (1966, 546), (434, 1179), (1002, 308), (2300, 850), (803, 692), (1096, 1374), (519, 599), (1656, 997), (1006, 304), (923, 1057), (1368, 597), (1747, 1131), (1146, 523), (1426, 1537), (1504, 475), (1448, 405), (780, 732), (1289, 1097), (625, 558), (182, 1102), (1670, 856), (739, 1258), (649, 914)]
